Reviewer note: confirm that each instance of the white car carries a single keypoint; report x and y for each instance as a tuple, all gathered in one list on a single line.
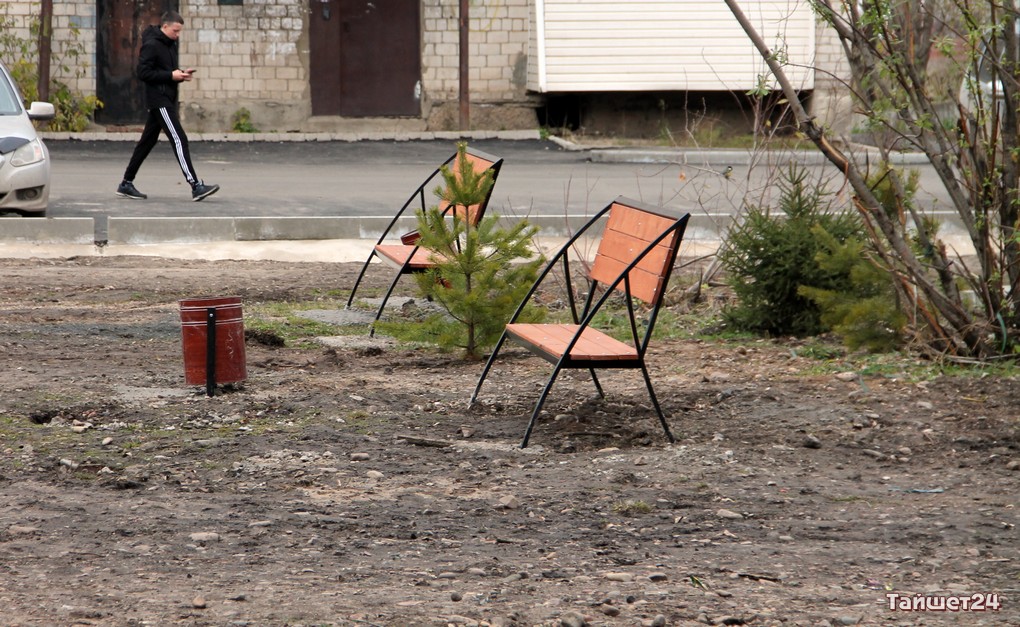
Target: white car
[(24, 159)]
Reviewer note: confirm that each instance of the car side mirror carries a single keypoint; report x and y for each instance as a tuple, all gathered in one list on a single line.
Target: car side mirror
[(41, 111)]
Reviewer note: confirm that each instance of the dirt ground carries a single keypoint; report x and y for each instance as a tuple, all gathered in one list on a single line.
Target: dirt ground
[(350, 484)]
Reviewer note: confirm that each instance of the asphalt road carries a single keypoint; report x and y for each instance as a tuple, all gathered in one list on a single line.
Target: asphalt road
[(336, 178), (374, 178)]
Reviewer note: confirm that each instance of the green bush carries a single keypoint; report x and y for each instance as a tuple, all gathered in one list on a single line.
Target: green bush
[(73, 110), (867, 315), (767, 258), (241, 121)]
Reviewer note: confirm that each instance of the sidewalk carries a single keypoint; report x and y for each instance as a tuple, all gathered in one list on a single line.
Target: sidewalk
[(334, 251), (293, 250)]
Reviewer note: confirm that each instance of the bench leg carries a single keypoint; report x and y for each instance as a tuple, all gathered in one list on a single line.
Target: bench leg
[(538, 406), (488, 365), (598, 386), (655, 402), (386, 298), (361, 276)]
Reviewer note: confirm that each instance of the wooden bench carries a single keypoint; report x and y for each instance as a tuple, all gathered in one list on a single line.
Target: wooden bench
[(635, 258), (402, 253)]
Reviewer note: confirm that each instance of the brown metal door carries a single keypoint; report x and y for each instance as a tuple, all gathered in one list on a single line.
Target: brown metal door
[(118, 37), (366, 57), (324, 36)]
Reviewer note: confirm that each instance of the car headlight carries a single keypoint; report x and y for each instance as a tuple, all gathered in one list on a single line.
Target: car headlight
[(30, 153)]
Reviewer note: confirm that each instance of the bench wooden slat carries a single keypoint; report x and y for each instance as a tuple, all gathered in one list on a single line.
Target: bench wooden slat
[(637, 223), (593, 345), (643, 284), (625, 248), (472, 214), (397, 254), (628, 232)]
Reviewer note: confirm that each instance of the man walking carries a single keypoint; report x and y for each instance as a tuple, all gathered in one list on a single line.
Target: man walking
[(157, 68)]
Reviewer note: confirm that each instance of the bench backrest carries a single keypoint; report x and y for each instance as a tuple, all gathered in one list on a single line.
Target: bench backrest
[(628, 232), (480, 162)]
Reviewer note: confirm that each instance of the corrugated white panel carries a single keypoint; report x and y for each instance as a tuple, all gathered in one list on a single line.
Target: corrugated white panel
[(651, 45)]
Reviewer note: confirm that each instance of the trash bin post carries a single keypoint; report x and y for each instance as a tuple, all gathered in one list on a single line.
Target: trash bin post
[(210, 351), (212, 339)]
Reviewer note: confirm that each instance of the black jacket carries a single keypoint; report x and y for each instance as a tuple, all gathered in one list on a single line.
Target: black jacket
[(156, 64)]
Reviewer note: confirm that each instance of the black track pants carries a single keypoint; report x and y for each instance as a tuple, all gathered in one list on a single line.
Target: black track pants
[(162, 119)]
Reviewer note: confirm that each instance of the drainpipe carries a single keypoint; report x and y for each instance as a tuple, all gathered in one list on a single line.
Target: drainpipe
[(45, 39), (465, 104)]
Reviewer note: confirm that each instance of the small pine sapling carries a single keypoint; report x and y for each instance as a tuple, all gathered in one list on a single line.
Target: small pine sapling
[(482, 271)]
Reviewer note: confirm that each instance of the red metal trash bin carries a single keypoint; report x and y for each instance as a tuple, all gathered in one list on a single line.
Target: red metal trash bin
[(224, 318)]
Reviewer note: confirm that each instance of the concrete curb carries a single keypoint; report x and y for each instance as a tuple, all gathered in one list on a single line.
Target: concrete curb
[(334, 239), (129, 231), (733, 157), (49, 230), (635, 154), (351, 136)]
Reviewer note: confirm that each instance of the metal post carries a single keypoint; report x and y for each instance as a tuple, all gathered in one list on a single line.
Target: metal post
[(210, 351), (465, 98), (45, 45)]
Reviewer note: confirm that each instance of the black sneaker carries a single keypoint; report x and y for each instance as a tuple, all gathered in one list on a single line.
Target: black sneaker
[(201, 190), (127, 190)]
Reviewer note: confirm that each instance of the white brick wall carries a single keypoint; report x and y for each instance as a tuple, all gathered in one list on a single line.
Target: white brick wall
[(831, 102), (244, 53), (66, 17), (497, 41)]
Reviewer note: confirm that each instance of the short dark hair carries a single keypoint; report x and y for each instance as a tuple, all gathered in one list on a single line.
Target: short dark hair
[(171, 17)]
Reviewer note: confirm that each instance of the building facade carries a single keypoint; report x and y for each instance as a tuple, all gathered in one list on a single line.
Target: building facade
[(306, 65)]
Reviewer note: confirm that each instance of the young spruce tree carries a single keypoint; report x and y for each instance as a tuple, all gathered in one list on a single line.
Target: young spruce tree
[(482, 271)]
